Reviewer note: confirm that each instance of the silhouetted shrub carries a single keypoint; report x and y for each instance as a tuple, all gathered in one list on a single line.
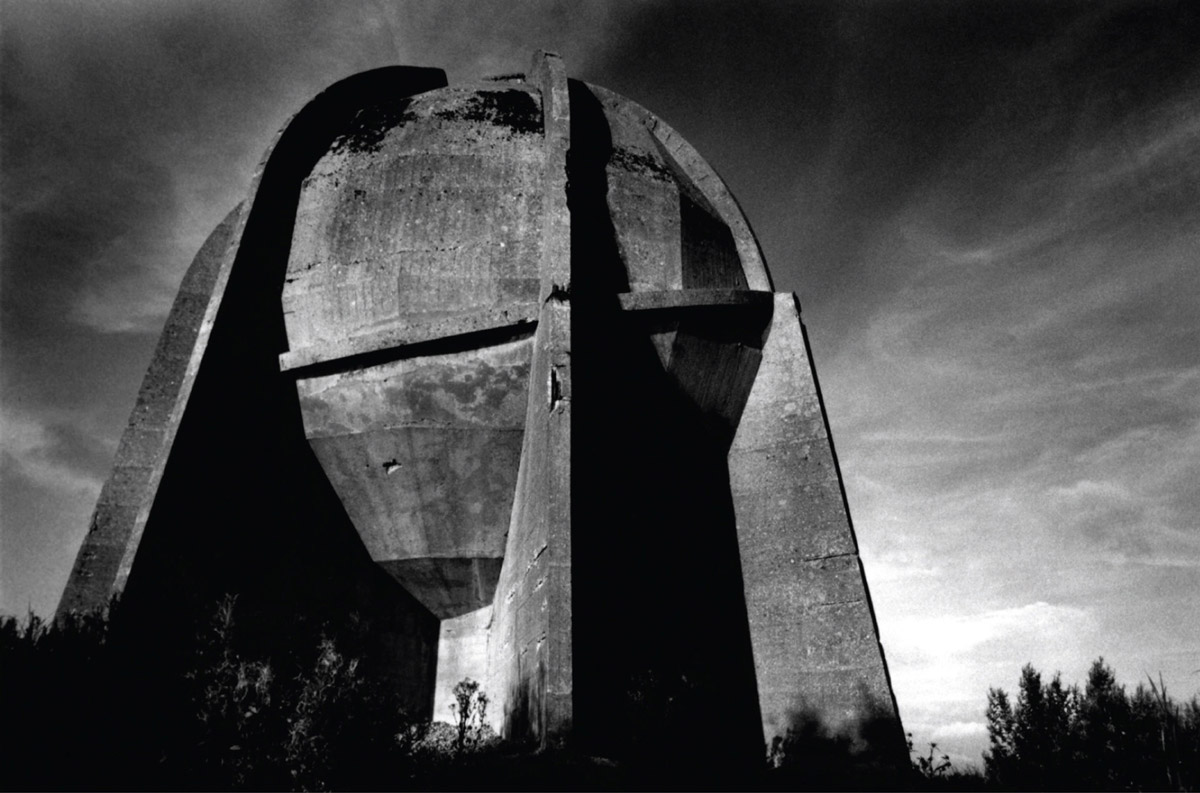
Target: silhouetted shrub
[(864, 755), (57, 697), (470, 713), (328, 726), (84, 714), (87, 710), (935, 772), (1102, 738)]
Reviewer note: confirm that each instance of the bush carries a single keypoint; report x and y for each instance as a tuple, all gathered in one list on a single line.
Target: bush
[(935, 772), (862, 755), (1101, 738), (230, 720), (470, 713), (326, 727), (59, 689)]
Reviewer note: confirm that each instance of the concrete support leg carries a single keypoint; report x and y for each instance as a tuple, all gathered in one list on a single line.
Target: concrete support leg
[(816, 651)]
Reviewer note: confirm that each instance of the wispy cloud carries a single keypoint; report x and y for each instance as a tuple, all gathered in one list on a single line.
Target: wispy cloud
[(50, 475), (54, 455), (960, 729), (1017, 413), (1033, 625), (943, 664)]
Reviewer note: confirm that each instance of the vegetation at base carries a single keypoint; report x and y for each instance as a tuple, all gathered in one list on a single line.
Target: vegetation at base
[(93, 713), (325, 727), (932, 771), (1057, 737), (52, 694), (84, 715), (810, 756), (470, 714)]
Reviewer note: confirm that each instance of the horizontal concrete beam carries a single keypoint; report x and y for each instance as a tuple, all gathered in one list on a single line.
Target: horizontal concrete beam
[(413, 333), (693, 298), (422, 331)]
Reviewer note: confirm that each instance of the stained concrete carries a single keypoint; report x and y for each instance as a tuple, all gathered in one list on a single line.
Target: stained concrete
[(409, 226), (515, 343), (530, 669), (424, 455)]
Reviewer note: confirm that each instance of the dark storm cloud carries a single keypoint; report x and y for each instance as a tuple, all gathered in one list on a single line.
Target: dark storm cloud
[(865, 99), (870, 103), (121, 148)]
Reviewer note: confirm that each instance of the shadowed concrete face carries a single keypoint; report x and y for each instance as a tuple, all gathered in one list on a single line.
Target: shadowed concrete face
[(531, 345)]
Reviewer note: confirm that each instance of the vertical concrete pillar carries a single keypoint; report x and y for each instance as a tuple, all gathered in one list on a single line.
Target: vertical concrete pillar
[(530, 644)]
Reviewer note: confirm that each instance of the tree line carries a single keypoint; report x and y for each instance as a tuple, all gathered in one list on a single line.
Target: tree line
[(81, 716), (1100, 737)]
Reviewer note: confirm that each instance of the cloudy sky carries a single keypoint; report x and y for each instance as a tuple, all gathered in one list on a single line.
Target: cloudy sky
[(990, 211)]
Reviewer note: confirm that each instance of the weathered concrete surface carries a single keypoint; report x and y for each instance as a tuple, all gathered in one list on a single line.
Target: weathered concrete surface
[(424, 454), (424, 333), (107, 557), (400, 241), (530, 673), (698, 177), (668, 233), (400, 220), (816, 647), (530, 648)]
